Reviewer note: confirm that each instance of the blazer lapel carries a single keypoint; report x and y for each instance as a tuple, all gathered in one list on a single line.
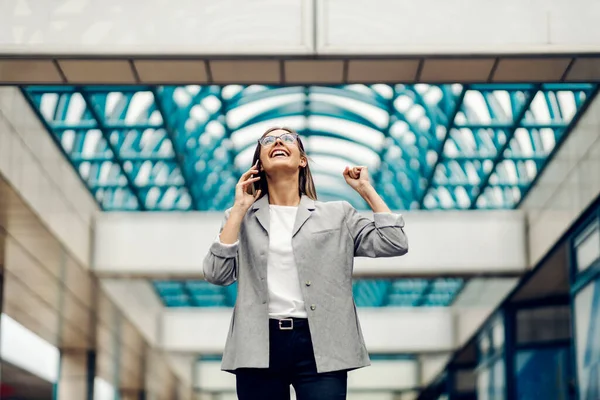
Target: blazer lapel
[(261, 210), (305, 209)]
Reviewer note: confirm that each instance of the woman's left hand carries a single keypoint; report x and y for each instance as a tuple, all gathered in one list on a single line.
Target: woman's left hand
[(357, 177)]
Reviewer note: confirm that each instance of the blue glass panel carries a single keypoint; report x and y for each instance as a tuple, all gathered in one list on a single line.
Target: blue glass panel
[(586, 247), (542, 374), (367, 293), (587, 317), (427, 146)]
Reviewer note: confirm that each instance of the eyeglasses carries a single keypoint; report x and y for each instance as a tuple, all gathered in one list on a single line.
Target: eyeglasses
[(287, 138)]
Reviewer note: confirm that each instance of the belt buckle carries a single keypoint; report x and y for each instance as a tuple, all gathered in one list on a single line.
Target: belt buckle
[(286, 328)]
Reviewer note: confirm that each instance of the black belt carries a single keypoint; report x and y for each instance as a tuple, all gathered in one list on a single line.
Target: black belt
[(288, 324)]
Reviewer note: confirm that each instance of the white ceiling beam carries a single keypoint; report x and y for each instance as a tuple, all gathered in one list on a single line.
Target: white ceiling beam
[(173, 245), (386, 330)]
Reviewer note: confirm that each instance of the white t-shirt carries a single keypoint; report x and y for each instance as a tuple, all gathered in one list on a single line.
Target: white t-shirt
[(285, 296)]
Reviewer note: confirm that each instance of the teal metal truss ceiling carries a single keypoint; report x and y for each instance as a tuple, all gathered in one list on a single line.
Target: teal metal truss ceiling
[(427, 146), (439, 292)]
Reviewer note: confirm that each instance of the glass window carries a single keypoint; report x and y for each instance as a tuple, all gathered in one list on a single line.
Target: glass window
[(484, 344), (542, 373), (498, 387), (587, 326), (103, 390), (465, 381), (543, 324), (483, 384), (587, 247), (498, 336)]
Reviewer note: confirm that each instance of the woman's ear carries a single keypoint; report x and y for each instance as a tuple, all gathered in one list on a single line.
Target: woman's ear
[(303, 162)]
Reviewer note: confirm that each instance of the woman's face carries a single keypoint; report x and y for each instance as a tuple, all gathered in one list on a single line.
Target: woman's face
[(281, 155)]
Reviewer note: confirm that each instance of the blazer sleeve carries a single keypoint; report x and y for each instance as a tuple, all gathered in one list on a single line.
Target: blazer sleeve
[(381, 237), (221, 263)]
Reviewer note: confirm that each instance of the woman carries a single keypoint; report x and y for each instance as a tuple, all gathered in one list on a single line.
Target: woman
[(294, 322)]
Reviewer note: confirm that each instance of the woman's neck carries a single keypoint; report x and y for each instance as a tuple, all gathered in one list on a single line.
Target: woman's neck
[(284, 191)]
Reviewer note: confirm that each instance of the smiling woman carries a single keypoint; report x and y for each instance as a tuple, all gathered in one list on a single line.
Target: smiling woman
[(281, 149), (292, 256)]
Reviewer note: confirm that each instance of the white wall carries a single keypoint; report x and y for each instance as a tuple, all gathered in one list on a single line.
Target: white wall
[(286, 27), (35, 167), (155, 26), (457, 26), (568, 185), (172, 244), (385, 330)]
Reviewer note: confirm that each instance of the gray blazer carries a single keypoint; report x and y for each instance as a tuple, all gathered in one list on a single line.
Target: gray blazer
[(326, 238)]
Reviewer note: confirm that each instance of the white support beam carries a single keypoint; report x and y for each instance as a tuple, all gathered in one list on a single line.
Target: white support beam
[(385, 375), (457, 26), (321, 42), (385, 330), (114, 27), (159, 245), (382, 376), (431, 366), (269, 27), (456, 243)]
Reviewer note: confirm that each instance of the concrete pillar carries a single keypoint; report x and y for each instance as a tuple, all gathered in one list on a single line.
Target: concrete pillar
[(77, 371), (1, 284), (128, 394), (185, 392)]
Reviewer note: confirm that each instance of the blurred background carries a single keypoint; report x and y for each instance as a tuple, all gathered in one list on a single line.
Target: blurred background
[(124, 127)]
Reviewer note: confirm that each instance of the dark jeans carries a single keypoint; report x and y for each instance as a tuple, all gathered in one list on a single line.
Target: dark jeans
[(291, 362)]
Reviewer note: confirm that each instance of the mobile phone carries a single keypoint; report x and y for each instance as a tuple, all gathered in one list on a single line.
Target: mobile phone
[(256, 185)]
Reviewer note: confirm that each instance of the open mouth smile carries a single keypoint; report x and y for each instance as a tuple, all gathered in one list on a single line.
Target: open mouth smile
[(279, 152)]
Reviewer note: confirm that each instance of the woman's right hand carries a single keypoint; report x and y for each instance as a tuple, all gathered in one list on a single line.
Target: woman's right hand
[(243, 196)]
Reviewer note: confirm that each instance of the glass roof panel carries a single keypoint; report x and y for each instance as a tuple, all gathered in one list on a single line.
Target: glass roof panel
[(427, 146), (439, 292)]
